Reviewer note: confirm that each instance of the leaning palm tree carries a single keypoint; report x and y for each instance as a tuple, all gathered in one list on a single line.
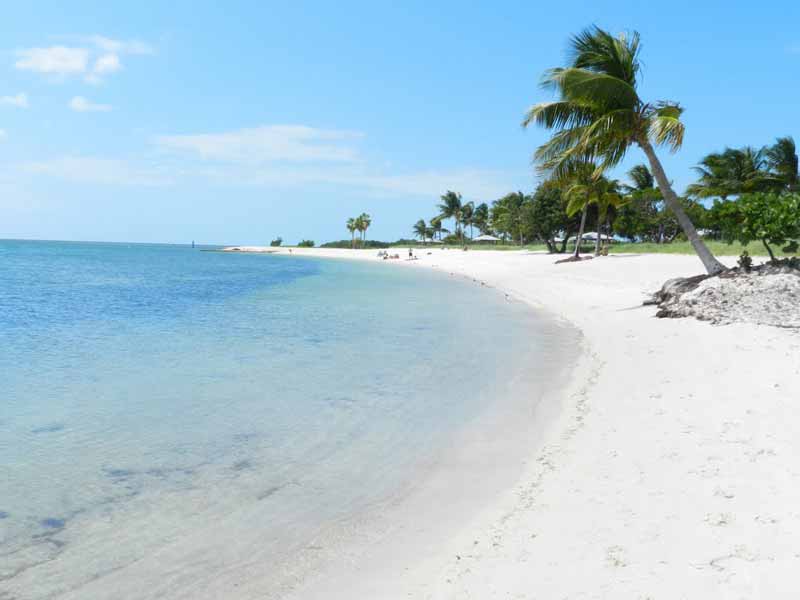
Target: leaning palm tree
[(599, 116), (351, 227), (421, 230), (451, 207)]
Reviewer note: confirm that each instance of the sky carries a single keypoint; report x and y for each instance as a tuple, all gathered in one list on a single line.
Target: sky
[(237, 122)]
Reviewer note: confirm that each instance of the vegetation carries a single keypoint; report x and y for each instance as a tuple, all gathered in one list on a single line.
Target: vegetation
[(451, 207), (771, 218), (306, 244), (599, 115), (360, 224), (276, 242), (367, 244)]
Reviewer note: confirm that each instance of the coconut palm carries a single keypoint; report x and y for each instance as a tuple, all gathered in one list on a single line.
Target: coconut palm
[(586, 188), (782, 160), (451, 207), (480, 217), (732, 172), (642, 179), (363, 221), (436, 227), (421, 230), (351, 227), (468, 216), (599, 116)]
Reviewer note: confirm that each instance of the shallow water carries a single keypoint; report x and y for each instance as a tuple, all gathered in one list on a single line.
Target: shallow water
[(169, 414)]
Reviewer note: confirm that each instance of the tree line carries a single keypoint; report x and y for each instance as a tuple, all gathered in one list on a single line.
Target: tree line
[(596, 118)]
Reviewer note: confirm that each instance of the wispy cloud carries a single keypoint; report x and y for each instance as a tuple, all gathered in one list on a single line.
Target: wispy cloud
[(3, 134), (58, 61), (269, 143), (81, 104), (80, 169), (93, 59), (793, 48), (119, 46), (277, 156), (19, 100)]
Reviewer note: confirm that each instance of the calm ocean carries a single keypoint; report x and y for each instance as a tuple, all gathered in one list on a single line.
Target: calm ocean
[(168, 413)]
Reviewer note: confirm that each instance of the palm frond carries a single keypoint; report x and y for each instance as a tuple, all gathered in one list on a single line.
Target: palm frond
[(593, 89), (666, 127), (599, 51), (558, 115)]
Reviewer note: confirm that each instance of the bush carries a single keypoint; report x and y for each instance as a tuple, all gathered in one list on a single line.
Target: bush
[(773, 219), (348, 244), (276, 242), (306, 244)]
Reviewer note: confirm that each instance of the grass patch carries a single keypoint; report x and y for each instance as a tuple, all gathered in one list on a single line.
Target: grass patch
[(716, 247)]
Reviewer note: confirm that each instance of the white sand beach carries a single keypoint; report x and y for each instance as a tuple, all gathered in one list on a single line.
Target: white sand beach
[(669, 471)]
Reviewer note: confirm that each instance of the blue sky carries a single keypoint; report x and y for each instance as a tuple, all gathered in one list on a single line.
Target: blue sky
[(237, 122)]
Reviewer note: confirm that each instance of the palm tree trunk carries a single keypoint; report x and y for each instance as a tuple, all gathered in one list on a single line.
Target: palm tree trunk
[(579, 239), (712, 265)]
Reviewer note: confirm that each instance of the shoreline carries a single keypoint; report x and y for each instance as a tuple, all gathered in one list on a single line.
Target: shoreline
[(668, 473)]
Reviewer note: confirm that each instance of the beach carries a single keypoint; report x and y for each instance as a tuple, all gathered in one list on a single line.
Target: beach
[(666, 468)]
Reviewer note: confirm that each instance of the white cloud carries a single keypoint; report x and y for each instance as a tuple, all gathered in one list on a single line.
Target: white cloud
[(20, 100), (3, 134), (269, 143), (60, 61), (282, 157), (107, 63), (93, 57), (81, 104), (119, 46), (108, 171)]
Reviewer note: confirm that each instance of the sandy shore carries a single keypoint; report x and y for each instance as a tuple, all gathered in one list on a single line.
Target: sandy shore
[(671, 470)]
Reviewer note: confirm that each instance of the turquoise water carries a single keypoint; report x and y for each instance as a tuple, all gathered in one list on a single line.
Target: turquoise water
[(204, 407)]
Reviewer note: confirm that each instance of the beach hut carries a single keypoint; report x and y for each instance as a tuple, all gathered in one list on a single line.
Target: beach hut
[(485, 238)]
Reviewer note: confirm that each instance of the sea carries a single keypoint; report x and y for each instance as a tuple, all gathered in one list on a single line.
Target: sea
[(175, 417)]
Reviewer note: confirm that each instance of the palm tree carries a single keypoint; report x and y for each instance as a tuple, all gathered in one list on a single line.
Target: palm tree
[(642, 179), (732, 172), (436, 226), (363, 221), (599, 116), (480, 217), (588, 188), (421, 229), (451, 207), (351, 227), (468, 216), (782, 160)]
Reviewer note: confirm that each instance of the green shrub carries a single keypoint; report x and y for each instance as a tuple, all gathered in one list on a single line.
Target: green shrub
[(306, 244), (276, 242), (772, 219)]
